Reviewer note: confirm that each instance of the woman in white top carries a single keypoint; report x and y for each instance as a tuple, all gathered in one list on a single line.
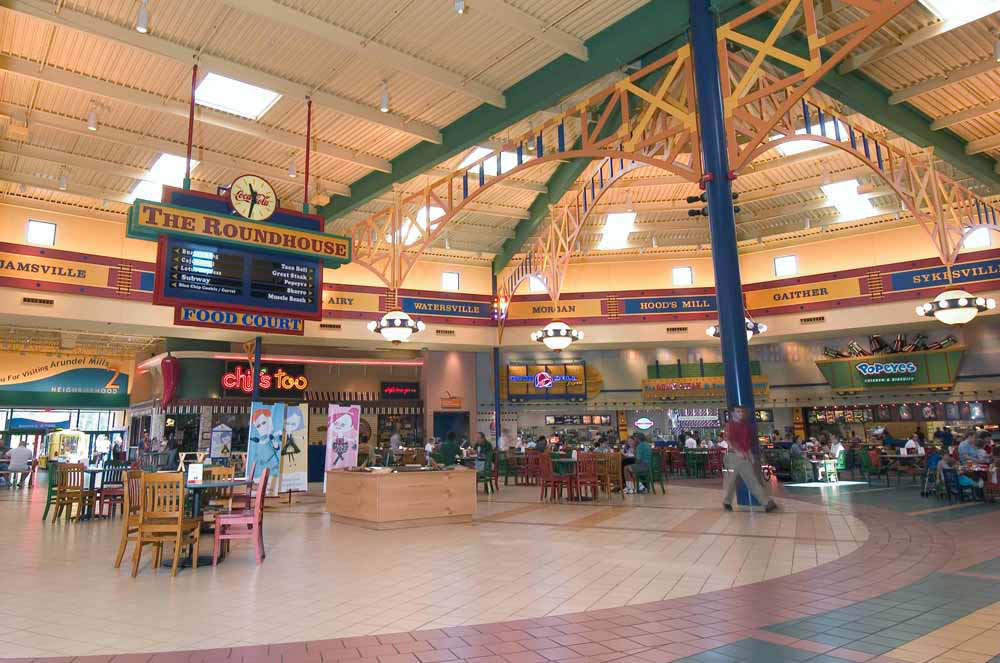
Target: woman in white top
[(836, 447)]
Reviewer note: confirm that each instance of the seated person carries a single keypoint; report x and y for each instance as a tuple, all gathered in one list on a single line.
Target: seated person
[(949, 463), (541, 444), (690, 442), (19, 460), (643, 459), (971, 450)]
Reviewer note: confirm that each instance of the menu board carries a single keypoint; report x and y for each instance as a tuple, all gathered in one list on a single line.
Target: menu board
[(578, 420), (227, 278)]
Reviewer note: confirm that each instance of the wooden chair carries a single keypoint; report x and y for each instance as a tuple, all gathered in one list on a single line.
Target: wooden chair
[(162, 519), (218, 499), (715, 457), (616, 478), (602, 463), (243, 525), (516, 467), (185, 458), (485, 475), (549, 479), (112, 490), (70, 491), (678, 461), (131, 512), (52, 473), (586, 475)]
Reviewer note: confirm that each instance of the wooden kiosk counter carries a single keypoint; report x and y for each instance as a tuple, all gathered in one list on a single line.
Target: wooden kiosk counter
[(389, 500)]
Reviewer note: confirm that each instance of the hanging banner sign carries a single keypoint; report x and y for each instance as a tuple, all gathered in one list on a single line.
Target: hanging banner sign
[(294, 459), (931, 370), (53, 270), (267, 425), (196, 316), (353, 302), (714, 388), (83, 374), (970, 272), (453, 308), (653, 305), (149, 220), (342, 430), (567, 308), (803, 293)]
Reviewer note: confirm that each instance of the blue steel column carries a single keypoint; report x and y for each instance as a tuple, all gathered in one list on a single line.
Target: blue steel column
[(496, 378), (256, 370), (721, 219)]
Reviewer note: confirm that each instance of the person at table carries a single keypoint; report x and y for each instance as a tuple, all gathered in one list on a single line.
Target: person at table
[(504, 443), (971, 450), (722, 443), (541, 444), (642, 458), (19, 460), (741, 431), (690, 442), (836, 447), (914, 447), (450, 449), (483, 446)]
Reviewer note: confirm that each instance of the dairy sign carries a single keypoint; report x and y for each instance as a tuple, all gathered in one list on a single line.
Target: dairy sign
[(887, 372)]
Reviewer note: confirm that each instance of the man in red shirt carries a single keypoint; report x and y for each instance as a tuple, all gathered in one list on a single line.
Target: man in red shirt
[(741, 434)]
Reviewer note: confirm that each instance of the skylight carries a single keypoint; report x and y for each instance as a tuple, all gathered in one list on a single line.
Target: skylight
[(236, 97), (169, 170), (844, 196), (952, 9), (537, 283), (409, 232), (979, 238), (508, 160), (616, 230), (800, 146)]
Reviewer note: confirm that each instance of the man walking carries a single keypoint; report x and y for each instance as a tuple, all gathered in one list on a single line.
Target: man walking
[(739, 460)]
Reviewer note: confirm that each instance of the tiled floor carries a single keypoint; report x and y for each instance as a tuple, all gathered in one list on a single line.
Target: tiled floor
[(853, 574)]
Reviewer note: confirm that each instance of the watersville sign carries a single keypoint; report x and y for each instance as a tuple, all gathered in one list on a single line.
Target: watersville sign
[(931, 370), (149, 220), (695, 388), (457, 308), (196, 316)]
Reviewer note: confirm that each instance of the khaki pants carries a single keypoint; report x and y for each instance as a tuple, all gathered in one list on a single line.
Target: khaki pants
[(739, 465)]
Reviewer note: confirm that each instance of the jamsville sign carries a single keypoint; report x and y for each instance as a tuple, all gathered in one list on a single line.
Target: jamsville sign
[(149, 220)]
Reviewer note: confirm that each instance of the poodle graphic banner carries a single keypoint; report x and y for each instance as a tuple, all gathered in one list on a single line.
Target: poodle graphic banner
[(342, 425), (267, 425)]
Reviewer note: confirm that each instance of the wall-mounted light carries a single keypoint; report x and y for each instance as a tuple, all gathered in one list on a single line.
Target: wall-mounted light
[(142, 18)]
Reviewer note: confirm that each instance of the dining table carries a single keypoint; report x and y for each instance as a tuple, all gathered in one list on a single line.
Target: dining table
[(91, 472), (196, 488)]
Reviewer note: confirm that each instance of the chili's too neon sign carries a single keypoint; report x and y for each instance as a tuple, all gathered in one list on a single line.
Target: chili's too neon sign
[(242, 378)]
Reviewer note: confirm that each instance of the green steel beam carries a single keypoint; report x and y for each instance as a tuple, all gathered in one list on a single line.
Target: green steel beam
[(867, 97), (624, 41)]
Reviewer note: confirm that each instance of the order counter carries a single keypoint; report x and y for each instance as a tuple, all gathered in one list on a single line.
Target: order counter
[(393, 500)]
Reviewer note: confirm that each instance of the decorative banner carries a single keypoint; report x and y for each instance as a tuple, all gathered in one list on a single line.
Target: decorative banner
[(52, 270), (79, 374), (803, 293), (342, 430), (353, 302), (568, 308), (453, 308), (264, 446), (149, 220), (707, 388), (294, 459), (930, 370), (929, 277), (222, 441), (653, 305), (197, 316)]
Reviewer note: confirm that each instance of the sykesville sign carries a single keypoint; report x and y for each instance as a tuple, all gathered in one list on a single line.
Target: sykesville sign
[(931, 370), (149, 220)]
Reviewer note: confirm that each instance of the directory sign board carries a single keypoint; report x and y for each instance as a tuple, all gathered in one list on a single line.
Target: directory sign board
[(230, 278)]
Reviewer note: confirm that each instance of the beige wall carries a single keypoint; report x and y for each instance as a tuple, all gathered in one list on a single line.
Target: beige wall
[(448, 374)]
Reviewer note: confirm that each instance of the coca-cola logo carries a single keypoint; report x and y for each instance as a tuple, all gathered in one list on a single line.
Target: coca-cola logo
[(262, 199)]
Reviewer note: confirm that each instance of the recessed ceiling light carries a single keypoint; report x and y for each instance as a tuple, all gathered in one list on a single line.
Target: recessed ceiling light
[(236, 97)]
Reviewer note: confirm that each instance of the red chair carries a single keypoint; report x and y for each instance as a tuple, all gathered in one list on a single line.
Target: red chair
[(549, 479), (678, 464), (586, 475), (715, 461), (532, 472), (243, 524), (244, 500), (112, 491)]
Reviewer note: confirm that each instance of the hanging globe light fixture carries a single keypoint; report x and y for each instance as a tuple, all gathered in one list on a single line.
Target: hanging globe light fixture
[(556, 336), (753, 328), (396, 327), (956, 307)]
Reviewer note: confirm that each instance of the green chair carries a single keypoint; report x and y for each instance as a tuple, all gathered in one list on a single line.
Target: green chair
[(656, 474), (484, 475), (696, 463), (841, 461), (802, 471), (52, 471)]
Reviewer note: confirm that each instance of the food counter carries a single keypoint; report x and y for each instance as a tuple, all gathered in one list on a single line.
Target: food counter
[(390, 500)]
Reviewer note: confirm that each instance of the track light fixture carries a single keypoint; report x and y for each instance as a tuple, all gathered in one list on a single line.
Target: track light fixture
[(63, 181), (460, 6), (92, 116), (142, 18), (291, 166)]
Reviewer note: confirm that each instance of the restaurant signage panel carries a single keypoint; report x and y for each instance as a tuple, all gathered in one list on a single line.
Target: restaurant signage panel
[(930, 370), (392, 391), (69, 374), (198, 316), (452, 308), (566, 308), (803, 293), (970, 272), (275, 380), (643, 423), (696, 388), (654, 305), (526, 382), (149, 220)]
